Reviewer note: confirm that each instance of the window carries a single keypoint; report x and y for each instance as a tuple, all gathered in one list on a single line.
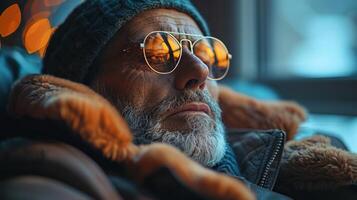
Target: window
[(312, 38), (305, 50)]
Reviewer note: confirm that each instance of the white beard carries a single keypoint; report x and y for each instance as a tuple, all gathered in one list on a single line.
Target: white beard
[(205, 140), (202, 143)]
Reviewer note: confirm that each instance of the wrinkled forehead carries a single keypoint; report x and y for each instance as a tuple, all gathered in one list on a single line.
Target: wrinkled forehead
[(159, 20)]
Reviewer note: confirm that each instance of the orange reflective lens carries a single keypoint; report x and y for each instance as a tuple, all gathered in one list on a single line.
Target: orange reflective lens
[(214, 54), (162, 52)]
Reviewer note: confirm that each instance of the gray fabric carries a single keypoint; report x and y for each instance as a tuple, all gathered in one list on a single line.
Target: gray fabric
[(228, 164), (258, 154), (79, 40)]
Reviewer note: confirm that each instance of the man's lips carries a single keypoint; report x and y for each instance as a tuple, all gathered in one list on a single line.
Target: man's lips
[(190, 107)]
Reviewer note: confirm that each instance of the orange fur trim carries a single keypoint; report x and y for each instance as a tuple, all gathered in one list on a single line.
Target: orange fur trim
[(97, 122), (79, 107), (240, 111)]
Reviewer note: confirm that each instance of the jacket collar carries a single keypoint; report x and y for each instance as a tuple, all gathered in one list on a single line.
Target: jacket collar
[(228, 165), (259, 154)]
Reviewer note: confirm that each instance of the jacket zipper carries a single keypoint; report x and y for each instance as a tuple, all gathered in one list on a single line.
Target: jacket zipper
[(276, 151)]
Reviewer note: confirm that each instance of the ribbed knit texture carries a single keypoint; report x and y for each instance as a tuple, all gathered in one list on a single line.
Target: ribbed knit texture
[(228, 165), (86, 31)]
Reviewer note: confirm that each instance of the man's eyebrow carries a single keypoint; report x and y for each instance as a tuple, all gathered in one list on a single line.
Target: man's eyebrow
[(165, 27), (136, 40)]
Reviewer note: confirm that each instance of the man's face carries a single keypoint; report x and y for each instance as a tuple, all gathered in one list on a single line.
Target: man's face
[(179, 108)]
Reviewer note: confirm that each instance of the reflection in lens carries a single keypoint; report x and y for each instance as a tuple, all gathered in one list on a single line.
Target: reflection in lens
[(162, 51), (204, 51), (222, 57), (214, 54)]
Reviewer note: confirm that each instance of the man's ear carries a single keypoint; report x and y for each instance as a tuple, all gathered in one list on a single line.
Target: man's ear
[(240, 111)]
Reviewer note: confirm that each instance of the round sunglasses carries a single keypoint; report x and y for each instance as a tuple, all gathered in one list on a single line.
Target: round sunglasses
[(163, 51)]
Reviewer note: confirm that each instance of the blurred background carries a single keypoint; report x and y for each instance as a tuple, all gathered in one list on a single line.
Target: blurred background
[(29, 24), (304, 50)]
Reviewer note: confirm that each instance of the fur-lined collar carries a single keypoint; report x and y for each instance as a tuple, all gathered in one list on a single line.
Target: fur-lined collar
[(96, 121)]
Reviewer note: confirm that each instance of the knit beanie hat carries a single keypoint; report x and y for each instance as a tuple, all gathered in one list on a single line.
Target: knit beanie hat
[(77, 43)]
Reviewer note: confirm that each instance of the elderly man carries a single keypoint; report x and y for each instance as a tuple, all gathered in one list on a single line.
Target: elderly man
[(159, 69), (157, 64), (166, 94)]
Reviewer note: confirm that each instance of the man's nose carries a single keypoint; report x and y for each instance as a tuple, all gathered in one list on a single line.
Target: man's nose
[(191, 73)]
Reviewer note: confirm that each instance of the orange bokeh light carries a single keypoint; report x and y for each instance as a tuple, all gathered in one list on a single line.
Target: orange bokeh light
[(38, 6), (10, 20), (38, 30), (42, 51), (37, 35), (50, 3)]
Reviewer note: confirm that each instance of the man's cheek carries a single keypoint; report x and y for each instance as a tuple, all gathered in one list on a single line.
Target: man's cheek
[(213, 89), (147, 89), (134, 85)]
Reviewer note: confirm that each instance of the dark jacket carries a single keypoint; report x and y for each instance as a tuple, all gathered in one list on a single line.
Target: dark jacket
[(72, 165), (55, 166), (47, 150), (34, 164)]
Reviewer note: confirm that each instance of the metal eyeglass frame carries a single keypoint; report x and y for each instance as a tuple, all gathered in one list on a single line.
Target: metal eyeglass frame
[(142, 45)]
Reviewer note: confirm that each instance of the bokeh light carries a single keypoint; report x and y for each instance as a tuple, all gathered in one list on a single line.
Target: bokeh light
[(50, 3), (31, 23), (37, 35), (10, 20)]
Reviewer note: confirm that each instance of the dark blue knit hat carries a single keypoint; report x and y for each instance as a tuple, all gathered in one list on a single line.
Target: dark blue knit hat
[(78, 41)]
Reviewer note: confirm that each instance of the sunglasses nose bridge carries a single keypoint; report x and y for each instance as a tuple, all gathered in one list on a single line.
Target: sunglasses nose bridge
[(190, 45)]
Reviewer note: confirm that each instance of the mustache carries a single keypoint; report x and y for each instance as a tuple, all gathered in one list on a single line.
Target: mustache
[(140, 120), (173, 102)]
